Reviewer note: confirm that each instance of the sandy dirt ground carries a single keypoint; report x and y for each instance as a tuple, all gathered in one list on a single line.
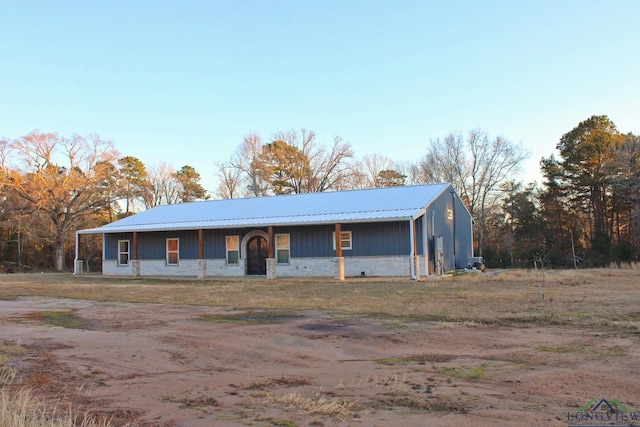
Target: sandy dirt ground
[(168, 365)]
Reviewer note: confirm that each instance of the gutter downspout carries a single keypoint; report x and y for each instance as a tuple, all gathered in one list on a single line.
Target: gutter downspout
[(75, 261), (412, 252)]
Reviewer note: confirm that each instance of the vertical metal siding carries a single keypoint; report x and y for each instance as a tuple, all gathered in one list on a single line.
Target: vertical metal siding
[(464, 234), (309, 241), (154, 245), (111, 244), (369, 239), (443, 227), (215, 242), (419, 236), (377, 239)]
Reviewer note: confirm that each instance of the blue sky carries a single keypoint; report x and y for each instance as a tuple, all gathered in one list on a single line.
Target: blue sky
[(184, 82)]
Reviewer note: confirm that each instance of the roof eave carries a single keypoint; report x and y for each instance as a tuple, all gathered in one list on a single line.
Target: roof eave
[(105, 230)]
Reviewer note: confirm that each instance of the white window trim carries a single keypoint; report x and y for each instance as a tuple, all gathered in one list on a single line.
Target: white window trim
[(176, 252), (226, 248), (128, 252), (288, 249), (344, 248)]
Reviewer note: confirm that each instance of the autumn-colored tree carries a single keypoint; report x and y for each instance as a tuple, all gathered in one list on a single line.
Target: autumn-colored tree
[(287, 167), (58, 179)]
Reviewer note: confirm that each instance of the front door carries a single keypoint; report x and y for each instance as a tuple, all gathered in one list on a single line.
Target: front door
[(257, 253)]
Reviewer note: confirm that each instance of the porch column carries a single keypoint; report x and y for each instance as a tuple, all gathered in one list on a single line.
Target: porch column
[(77, 265), (412, 252), (339, 259), (135, 263), (272, 262), (416, 257), (202, 263)]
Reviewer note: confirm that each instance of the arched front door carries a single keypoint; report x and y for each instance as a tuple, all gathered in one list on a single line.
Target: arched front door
[(257, 253)]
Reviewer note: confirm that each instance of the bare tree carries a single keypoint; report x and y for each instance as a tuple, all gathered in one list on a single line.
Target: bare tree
[(625, 172), (58, 179), (163, 187), (228, 181), (248, 159), (329, 166), (374, 167), (291, 162), (475, 167)]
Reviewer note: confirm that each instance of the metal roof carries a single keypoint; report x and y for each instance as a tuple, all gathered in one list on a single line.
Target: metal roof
[(371, 205)]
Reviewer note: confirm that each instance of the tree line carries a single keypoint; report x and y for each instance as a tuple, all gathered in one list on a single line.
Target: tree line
[(585, 212)]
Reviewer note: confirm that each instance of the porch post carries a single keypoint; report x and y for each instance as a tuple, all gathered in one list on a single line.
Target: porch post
[(135, 263), (271, 258), (412, 251), (339, 259), (416, 257), (77, 263), (202, 263)]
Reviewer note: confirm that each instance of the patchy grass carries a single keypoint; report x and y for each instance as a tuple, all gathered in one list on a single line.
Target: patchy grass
[(419, 403), (421, 359), (560, 348), (61, 318), (573, 297), (252, 317), (466, 373), (316, 404), (278, 382), (590, 351), (194, 403)]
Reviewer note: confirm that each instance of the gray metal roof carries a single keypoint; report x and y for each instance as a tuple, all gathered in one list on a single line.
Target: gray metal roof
[(371, 205)]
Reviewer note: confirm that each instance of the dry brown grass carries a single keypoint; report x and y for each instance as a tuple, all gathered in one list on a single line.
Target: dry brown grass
[(316, 404), (20, 406), (598, 297)]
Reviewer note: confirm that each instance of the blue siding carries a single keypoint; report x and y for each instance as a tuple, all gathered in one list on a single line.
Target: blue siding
[(154, 246), (386, 238), (370, 239), (111, 244), (215, 242), (438, 225), (309, 241)]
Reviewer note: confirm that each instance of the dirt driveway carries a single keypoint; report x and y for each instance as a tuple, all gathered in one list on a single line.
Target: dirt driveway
[(175, 365)]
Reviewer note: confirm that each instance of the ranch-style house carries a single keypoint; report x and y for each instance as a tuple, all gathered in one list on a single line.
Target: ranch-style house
[(394, 231)]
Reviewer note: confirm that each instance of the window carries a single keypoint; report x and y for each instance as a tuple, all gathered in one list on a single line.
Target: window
[(233, 244), (345, 239), (172, 252), (282, 248), (123, 252)]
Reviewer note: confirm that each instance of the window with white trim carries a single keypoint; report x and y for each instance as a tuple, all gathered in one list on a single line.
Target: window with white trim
[(283, 248), (233, 249), (173, 251), (123, 252), (345, 240)]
